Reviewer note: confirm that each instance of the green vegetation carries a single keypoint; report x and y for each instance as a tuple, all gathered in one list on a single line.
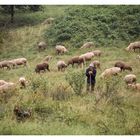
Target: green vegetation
[(52, 96), (104, 25)]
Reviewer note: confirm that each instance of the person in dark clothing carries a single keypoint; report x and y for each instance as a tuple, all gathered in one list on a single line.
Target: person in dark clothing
[(91, 74)]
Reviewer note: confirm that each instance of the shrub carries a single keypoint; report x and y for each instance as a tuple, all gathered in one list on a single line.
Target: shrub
[(76, 80), (39, 84), (104, 25), (61, 92)]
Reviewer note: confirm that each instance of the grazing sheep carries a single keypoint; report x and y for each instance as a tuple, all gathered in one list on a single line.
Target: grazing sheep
[(48, 20), (2, 82), (42, 67), (60, 49), (75, 60), (138, 57), (7, 86), (97, 52), (22, 82), (4, 64), (87, 56), (19, 61), (42, 46), (96, 63), (110, 72), (123, 66), (133, 46), (61, 65), (88, 45), (48, 58), (130, 79), (135, 86)]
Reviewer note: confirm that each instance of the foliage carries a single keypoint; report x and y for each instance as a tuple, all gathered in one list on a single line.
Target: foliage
[(76, 81), (104, 25)]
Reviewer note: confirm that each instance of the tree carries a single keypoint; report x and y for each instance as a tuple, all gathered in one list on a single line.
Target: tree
[(10, 9)]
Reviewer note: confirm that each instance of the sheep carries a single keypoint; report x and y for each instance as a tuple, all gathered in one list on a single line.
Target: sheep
[(135, 86), (130, 79), (97, 52), (22, 82), (42, 46), (133, 46), (138, 57), (96, 63), (4, 64), (2, 82), (76, 60), (61, 65), (7, 86), (87, 45), (123, 66), (48, 58), (42, 67), (87, 56), (60, 49), (110, 72), (49, 20), (19, 61)]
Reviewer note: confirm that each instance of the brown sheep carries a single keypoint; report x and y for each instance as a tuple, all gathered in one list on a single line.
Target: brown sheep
[(60, 49), (75, 60), (42, 46), (97, 52), (61, 65), (87, 45), (42, 67), (123, 66)]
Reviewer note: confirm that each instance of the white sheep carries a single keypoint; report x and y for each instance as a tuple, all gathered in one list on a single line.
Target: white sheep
[(110, 72), (22, 82), (88, 45), (97, 52), (61, 65), (60, 49), (2, 82), (130, 79), (7, 86)]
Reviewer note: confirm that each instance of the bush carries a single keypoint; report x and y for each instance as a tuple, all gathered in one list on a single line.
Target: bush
[(76, 80), (61, 92), (39, 84), (104, 25)]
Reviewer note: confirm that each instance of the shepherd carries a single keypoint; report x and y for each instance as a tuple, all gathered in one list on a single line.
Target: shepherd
[(91, 77)]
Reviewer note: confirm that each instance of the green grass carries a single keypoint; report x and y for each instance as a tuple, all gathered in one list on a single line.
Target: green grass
[(76, 115)]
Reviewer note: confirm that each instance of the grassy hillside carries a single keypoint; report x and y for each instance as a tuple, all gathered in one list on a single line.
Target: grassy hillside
[(104, 25), (56, 109)]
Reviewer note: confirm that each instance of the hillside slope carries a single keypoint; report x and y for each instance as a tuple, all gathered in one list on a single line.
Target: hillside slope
[(104, 25), (56, 109)]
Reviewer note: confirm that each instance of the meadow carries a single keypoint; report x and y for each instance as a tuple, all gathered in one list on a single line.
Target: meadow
[(112, 109)]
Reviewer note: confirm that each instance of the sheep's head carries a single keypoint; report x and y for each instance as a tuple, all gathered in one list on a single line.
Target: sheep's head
[(128, 68)]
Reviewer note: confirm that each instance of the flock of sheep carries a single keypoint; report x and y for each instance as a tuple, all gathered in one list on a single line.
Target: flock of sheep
[(80, 60)]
